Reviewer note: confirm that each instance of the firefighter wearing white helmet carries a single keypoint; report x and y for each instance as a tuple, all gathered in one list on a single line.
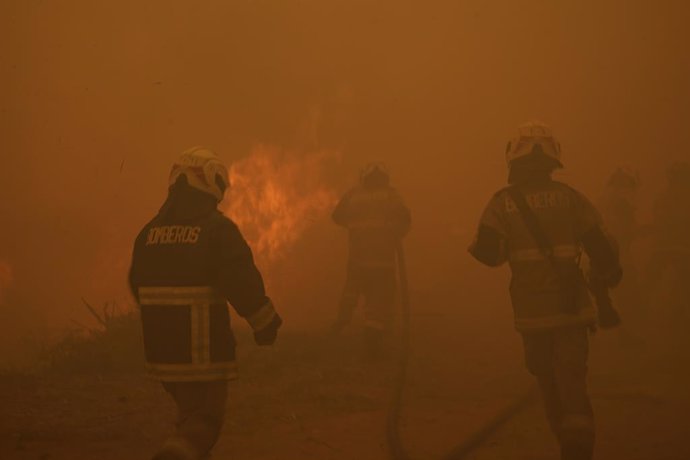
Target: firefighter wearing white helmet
[(376, 218), (539, 226), (203, 171), (187, 264)]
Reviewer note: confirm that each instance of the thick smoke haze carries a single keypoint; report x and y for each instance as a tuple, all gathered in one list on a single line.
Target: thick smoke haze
[(99, 97)]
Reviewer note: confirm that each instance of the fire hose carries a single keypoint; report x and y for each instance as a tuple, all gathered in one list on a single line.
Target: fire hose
[(395, 446), (608, 319), (461, 451)]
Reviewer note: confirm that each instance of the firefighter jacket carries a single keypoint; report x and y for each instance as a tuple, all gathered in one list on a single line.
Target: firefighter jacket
[(537, 287), (188, 262), (376, 219)]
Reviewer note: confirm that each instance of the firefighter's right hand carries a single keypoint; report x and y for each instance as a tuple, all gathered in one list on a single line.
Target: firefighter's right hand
[(267, 335)]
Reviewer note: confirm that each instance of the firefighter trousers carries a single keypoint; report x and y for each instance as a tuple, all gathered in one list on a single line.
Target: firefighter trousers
[(200, 415), (377, 286), (558, 359)]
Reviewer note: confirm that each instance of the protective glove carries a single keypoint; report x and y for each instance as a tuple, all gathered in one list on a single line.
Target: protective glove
[(267, 335)]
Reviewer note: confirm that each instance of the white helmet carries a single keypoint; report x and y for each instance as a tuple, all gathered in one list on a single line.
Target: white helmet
[(203, 170), (533, 137)]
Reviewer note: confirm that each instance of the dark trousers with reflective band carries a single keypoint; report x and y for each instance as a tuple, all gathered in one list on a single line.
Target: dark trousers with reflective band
[(558, 359), (377, 285), (201, 411)]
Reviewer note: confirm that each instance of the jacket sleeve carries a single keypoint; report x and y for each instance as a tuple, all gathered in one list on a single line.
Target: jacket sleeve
[(239, 279), (490, 244)]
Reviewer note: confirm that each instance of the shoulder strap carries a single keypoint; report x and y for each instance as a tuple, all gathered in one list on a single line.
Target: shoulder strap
[(532, 222)]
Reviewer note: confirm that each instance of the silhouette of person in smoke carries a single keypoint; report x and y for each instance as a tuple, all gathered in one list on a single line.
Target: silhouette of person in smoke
[(538, 225), (376, 218)]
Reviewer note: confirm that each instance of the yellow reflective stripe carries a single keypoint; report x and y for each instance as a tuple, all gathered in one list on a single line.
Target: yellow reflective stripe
[(196, 330), (200, 333), (585, 316), (532, 254), (178, 295), (199, 299), (262, 317), (205, 339), (194, 336)]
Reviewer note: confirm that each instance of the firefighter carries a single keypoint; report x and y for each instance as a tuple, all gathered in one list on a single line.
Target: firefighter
[(376, 219), (619, 209), (538, 226), (188, 262)]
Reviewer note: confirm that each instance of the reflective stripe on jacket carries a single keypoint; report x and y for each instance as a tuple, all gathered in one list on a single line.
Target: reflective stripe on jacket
[(537, 286), (376, 219), (184, 272)]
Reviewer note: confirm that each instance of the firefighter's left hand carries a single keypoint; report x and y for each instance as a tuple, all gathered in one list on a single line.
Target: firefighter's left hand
[(267, 335)]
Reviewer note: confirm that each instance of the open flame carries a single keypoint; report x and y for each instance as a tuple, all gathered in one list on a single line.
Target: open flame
[(6, 278), (275, 195)]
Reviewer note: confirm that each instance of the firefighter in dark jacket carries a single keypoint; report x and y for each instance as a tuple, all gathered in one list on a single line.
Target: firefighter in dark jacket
[(552, 308), (188, 262), (376, 219)]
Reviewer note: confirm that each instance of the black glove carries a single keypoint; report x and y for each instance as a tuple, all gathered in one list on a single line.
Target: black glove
[(608, 315), (267, 335)]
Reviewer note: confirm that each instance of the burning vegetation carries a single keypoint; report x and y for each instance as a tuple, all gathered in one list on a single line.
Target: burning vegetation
[(276, 194)]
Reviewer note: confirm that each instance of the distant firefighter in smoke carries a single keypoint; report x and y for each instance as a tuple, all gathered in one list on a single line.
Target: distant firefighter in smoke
[(671, 230), (538, 225), (376, 219), (619, 209), (188, 262)]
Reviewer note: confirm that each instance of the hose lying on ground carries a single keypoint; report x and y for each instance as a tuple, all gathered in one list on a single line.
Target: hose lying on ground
[(470, 444), (396, 449), (395, 446)]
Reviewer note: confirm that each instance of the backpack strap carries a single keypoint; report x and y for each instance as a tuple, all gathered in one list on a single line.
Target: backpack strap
[(533, 225)]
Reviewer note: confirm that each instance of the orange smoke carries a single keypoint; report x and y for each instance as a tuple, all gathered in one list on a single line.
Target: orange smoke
[(275, 195), (6, 278)]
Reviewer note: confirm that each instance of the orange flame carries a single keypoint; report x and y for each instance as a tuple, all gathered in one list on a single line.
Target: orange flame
[(6, 278), (276, 195)]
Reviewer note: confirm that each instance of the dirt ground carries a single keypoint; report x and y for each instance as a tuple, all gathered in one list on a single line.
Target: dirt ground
[(315, 397)]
